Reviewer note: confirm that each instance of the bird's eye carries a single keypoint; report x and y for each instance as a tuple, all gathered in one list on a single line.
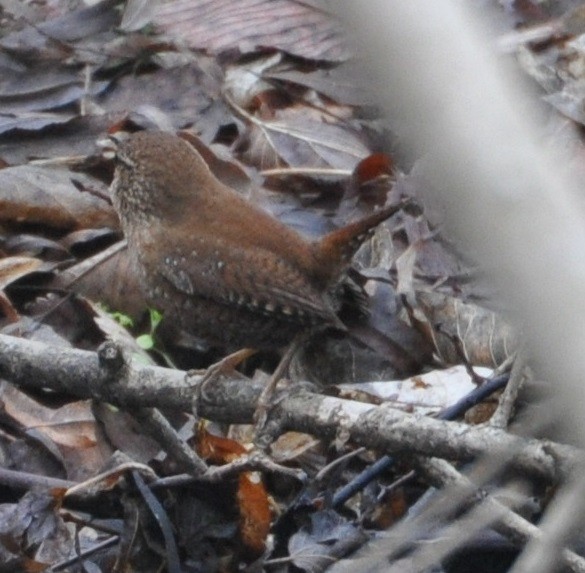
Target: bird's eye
[(113, 146)]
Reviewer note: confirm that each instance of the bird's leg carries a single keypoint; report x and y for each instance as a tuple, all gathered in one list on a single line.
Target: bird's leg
[(224, 366), (265, 399)]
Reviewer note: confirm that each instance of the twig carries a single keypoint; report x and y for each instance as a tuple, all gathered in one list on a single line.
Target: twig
[(501, 417)]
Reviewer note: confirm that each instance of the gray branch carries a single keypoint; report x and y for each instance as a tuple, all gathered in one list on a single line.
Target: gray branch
[(233, 400)]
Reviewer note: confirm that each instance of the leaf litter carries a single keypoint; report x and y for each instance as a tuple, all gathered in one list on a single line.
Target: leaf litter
[(257, 86)]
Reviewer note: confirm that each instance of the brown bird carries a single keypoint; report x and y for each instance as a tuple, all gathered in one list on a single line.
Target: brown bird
[(216, 265)]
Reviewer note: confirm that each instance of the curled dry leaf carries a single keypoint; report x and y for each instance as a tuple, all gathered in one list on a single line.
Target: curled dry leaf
[(87, 240), (14, 268), (24, 244), (33, 121), (455, 328)]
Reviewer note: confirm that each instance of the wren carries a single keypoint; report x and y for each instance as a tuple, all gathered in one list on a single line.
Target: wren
[(217, 266)]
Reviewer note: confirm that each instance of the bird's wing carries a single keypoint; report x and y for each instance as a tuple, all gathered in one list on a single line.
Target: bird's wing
[(258, 280)]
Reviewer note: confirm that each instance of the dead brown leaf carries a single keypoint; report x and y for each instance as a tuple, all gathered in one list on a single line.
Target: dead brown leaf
[(296, 140), (253, 505), (466, 331), (43, 88), (248, 25), (48, 39), (40, 195), (70, 431), (33, 534)]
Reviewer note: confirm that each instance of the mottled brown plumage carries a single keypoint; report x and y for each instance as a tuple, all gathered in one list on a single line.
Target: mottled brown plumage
[(216, 265)]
